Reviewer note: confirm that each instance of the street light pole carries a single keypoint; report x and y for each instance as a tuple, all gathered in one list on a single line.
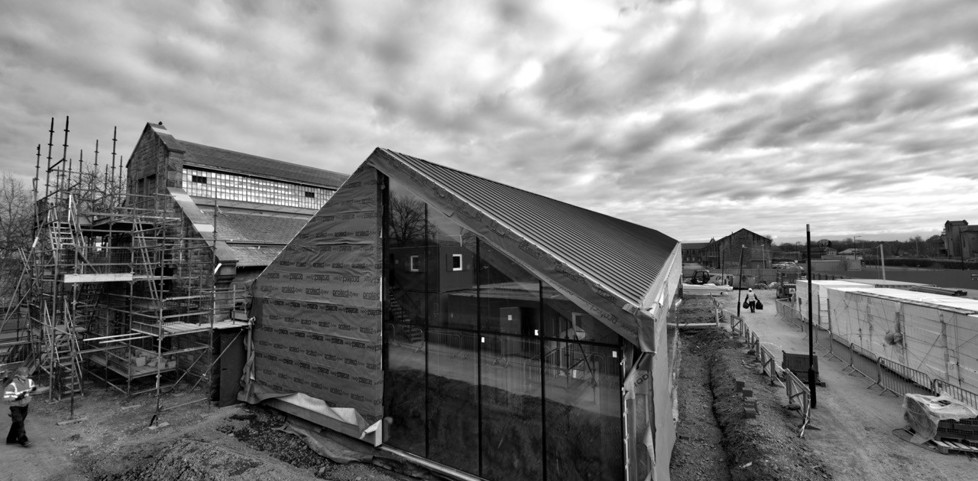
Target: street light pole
[(811, 314), (740, 282)]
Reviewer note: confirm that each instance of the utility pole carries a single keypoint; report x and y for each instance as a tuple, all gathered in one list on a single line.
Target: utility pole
[(882, 263), (811, 314), (740, 281)]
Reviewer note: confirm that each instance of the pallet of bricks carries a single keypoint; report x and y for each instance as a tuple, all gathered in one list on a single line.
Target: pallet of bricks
[(960, 435), (950, 425)]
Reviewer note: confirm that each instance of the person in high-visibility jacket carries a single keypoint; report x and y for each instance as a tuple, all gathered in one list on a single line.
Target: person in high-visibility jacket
[(18, 395)]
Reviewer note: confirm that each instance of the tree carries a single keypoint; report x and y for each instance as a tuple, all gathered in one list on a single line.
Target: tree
[(407, 220), (16, 228)]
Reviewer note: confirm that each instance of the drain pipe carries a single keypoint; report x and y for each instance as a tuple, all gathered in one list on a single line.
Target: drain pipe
[(431, 465)]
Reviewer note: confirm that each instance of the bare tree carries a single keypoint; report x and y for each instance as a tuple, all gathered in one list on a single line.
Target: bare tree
[(16, 228), (407, 220)]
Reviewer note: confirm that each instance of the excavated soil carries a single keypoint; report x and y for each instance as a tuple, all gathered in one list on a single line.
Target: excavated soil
[(716, 438)]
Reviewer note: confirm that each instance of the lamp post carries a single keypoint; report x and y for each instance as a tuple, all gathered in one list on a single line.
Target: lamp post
[(811, 339), (740, 281)]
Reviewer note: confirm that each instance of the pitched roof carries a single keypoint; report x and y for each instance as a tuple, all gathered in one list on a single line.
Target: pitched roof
[(624, 257), (214, 158)]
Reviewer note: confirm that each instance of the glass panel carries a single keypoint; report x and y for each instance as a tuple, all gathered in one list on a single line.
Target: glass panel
[(453, 402), (512, 418), (509, 295), (404, 326), (583, 411), (455, 289), (565, 320)]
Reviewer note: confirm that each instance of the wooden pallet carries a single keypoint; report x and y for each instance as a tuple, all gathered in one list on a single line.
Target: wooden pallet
[(947, 447)]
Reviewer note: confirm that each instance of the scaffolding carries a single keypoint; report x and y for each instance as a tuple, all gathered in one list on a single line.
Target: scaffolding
[(118, 285)]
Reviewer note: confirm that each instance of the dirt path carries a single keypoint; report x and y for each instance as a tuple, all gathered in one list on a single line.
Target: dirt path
[(855, 438)]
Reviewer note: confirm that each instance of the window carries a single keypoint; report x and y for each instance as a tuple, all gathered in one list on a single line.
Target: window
[(414, 264), (456, 262), (311, 195), (199, 179)]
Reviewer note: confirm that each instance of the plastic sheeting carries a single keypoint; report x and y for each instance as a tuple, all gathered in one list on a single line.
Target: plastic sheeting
[(318, 307), (910, 328), (924, 413)]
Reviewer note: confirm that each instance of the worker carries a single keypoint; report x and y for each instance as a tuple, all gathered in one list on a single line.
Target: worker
[(18, 395), (751, 300)]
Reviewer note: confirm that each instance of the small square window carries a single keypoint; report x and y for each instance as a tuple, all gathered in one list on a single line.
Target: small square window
[(415, 264), (456, 262)]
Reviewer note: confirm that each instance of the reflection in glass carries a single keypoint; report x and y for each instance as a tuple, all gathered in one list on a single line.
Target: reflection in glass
[(512, 421), (583, 413), (404, 326), (453, 401), (473, 345)]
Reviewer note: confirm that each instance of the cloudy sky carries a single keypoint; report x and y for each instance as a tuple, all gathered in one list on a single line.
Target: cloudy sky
[(695, 118)]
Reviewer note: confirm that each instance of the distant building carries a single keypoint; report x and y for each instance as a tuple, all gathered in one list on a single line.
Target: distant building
[(260, 203), (695, 252), (960, 239), (726, 252)]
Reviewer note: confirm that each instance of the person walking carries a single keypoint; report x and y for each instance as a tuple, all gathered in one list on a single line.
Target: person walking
[(751, 301), (18, 395)]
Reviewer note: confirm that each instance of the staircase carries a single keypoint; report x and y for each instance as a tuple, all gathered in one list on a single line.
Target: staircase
[(401, 318), (61, 358), (61, 238)]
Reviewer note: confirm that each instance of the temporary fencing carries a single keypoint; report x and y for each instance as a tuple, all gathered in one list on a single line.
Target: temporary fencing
[(797, 389), (893, 376), (957, 392)]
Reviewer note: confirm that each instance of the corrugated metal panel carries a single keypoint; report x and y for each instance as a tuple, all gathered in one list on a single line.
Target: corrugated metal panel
[(623, 256), (252, 165)]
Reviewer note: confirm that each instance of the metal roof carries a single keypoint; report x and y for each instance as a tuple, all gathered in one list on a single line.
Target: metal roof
[(214, 158), (624, 257)]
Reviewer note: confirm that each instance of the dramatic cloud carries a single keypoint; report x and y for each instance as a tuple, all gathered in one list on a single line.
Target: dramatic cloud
[(696, 118)]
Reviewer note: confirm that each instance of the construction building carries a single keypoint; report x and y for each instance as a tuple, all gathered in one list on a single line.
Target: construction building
[(473, 327), (138, 274), (960, 240)]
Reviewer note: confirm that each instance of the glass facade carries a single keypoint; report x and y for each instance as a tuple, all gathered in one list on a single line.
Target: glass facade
[(487, 369), (220, 185)]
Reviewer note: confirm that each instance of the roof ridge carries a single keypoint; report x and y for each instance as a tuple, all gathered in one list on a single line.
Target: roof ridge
[(534, 194)]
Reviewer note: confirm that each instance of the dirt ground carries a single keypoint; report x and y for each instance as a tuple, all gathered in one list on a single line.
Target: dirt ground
[(854, 431), (110, 438)]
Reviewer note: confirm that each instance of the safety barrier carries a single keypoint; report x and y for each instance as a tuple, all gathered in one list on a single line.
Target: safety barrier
[(796, 388), (736, 324), (961, 394), (893, 376), (769, 364), (863, 362)]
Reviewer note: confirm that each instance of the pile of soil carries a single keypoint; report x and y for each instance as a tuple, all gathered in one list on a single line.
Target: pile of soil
[(717, 438)]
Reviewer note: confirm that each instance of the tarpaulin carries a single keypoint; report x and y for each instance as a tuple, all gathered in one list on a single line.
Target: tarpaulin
[(318, 307), (924, 414)]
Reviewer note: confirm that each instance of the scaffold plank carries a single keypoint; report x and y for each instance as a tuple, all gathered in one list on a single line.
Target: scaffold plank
[(105, 277)]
